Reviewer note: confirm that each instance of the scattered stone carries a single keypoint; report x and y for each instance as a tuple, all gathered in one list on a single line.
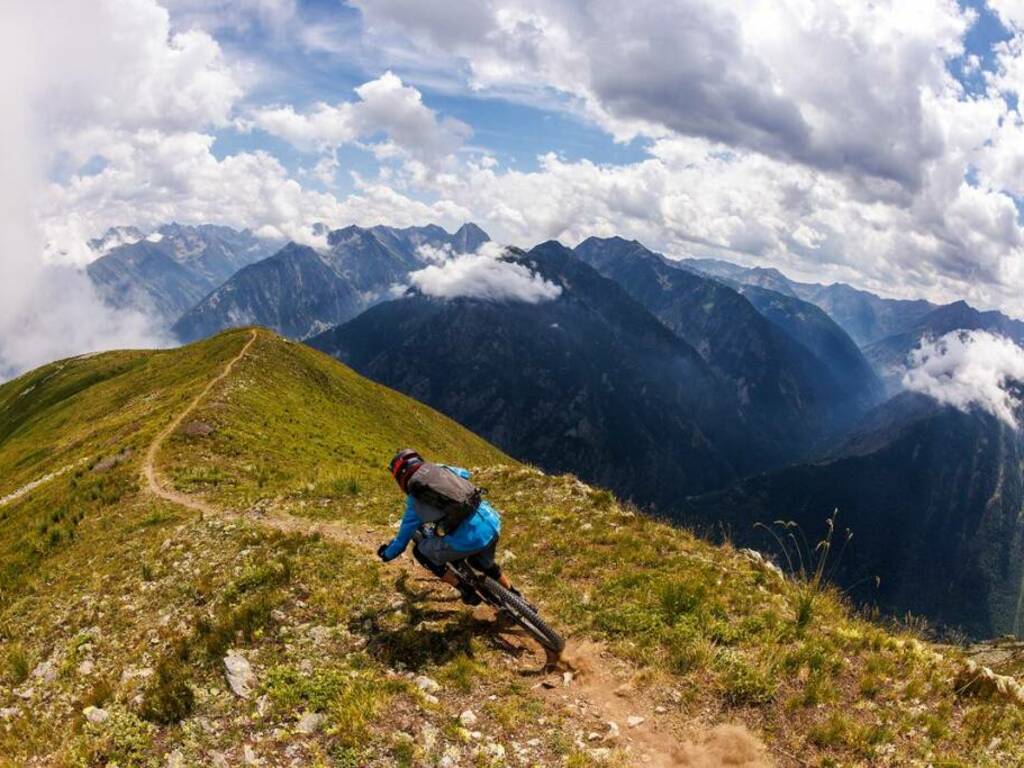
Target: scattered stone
[(428, 737), (495, 751), (634, 720), (319, 635), (613, 731), (660, 710), (219, 760), (262, 705), (429, 698), (95, 715), (26, 693), (427, 685), (239, 674), (45, 671), (567, 679), (139, 672), (594, 736), (533, 743), (468, 718), (176, 760), (762, 562), (601, 754), (9, 712), (197, 429), (86, 667), (103, 465), (249, 755), (310, 723)]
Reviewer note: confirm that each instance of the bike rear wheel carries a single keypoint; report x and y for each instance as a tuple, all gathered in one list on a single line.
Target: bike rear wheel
[(525, 616)]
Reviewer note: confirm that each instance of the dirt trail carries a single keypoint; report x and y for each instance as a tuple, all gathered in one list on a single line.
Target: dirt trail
[(149, 474), (587, 680)]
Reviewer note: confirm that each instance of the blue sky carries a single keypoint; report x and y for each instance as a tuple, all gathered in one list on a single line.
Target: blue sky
[(514, 131)]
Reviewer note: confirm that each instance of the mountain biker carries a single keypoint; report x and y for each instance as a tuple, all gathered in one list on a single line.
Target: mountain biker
[(474, 539)]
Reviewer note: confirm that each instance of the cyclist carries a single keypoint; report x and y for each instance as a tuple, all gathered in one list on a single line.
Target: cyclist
[(473, 538)]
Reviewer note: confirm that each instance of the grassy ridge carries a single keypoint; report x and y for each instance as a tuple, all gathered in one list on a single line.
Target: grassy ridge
[(153, 597)]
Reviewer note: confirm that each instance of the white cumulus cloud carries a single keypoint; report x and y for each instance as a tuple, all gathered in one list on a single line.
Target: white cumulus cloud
[(484, 275), (969, 369), (385, 105)]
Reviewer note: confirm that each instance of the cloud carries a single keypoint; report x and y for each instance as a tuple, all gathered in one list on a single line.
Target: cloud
[(484, 275), (968, 369), (385, 105), (232, 14), (154, 178), (46, 311), (695, 198), (840, 85)]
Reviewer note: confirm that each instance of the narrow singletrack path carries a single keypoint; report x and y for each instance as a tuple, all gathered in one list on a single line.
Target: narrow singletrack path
[(589, 682), (149, 473)]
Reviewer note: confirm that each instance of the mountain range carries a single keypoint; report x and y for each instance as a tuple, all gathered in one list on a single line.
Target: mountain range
[(795, 373), (867, 318), (169, 270), (300, 291)]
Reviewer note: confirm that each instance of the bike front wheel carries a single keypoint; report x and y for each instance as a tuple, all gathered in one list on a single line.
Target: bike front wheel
[(525, 616)]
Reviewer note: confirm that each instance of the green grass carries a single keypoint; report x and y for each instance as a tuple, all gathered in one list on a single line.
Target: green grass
[(93, 569)]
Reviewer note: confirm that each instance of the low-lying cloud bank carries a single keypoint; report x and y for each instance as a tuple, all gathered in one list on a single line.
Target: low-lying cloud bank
[(47, 310), (969, 369), (482, 275)]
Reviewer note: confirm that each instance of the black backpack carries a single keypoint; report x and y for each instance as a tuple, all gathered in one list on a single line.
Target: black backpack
[(450, 499)]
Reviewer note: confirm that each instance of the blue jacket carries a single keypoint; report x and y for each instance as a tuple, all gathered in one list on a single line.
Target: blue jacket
[(473, 534)]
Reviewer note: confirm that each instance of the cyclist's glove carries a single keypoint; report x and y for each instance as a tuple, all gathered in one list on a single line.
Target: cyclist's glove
[(382, 552)]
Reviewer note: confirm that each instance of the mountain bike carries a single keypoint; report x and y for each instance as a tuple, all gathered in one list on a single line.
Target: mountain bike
[(509, 605)]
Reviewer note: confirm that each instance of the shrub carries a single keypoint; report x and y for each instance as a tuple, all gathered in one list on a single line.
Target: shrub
[(18, 664), (745, 683), (124, 740), (169, 699), (679, 598)]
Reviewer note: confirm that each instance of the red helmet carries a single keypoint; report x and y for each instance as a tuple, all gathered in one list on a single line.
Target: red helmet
[(404, 465)]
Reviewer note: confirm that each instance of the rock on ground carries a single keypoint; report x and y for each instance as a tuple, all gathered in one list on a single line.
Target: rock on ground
[(239, 674), (310, 723), (96, 715)]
